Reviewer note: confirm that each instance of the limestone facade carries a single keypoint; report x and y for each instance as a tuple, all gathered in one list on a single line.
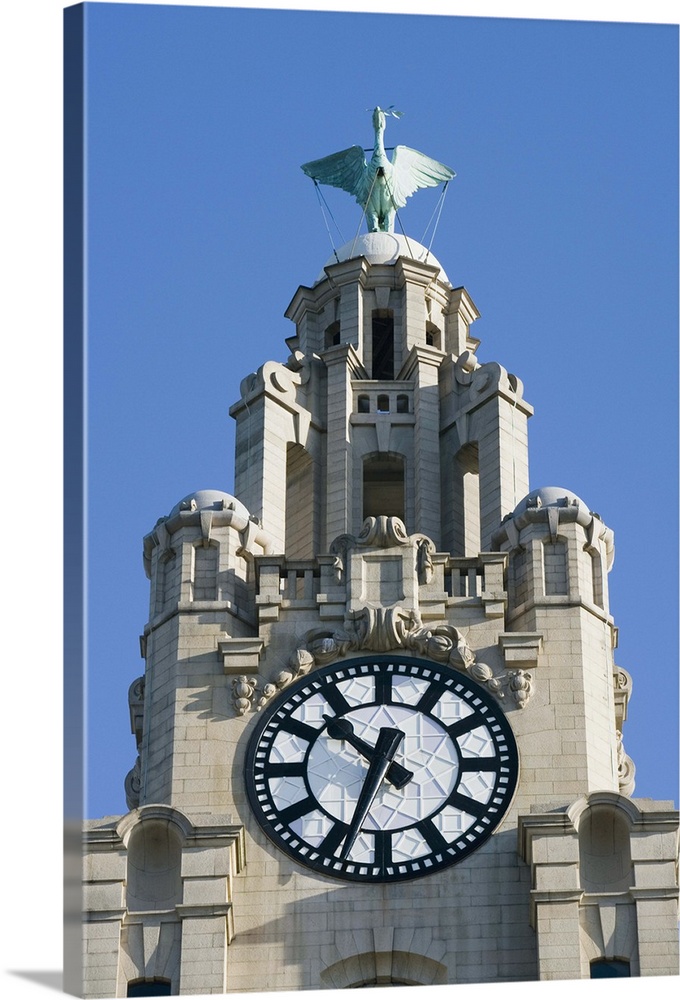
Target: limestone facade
[(382, 505)]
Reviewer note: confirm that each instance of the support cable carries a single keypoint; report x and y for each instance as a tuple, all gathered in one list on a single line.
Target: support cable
[(322, 202), (398, 219), (363, 215), (439, 207)]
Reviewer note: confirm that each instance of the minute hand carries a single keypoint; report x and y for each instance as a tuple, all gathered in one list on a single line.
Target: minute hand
[(385, 749)]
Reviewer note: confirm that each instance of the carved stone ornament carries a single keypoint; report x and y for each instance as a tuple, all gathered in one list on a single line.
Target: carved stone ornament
[(299, 664), (520, 686), (243, 691), (626, 767), (425, 566), (340, 548), (133, 785), (623, 682), (382, 532), (136, 706), (385, 629)]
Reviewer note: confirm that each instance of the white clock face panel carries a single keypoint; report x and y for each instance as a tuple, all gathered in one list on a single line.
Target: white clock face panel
[(382, 769)]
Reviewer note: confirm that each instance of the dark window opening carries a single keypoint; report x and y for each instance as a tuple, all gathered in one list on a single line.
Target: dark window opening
[(402, 404), (609, 968), (150, 988), (363, 404), (383, 344), (379, 982), (332, 334), (384, 486), (433, 337), (383, 405)]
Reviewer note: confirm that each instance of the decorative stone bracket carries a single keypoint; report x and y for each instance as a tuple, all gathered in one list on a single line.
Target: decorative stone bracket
[(520, 650), (623, 689), (133, 779), (239, 655), (625, 767)]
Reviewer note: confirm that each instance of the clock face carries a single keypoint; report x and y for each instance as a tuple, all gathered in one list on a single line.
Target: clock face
[(381, 769)]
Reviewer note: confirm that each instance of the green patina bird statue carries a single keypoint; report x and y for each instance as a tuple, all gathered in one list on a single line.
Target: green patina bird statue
[(379, 185)]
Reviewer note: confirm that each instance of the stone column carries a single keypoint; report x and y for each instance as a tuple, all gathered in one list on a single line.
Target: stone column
[(549, 844), (423, 370), (342, 364)]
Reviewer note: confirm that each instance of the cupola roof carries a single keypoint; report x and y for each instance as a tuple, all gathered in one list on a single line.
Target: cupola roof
[(209, 500), (383, 248)]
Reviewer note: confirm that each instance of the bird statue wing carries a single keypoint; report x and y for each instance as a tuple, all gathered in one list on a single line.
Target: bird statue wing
[(412, 170), (346, 170)]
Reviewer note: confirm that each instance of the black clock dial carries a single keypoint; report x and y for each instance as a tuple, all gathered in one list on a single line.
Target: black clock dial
[(381, 769)]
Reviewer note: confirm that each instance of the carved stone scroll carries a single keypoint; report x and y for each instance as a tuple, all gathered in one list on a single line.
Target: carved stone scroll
[(133, 785), (626, 767), (383, 532)]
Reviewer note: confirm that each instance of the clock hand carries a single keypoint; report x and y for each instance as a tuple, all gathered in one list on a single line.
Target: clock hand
[(385, 749), (342, 729)]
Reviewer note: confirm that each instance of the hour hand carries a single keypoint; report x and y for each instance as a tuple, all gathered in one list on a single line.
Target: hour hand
[(342, 729), (385, 749)]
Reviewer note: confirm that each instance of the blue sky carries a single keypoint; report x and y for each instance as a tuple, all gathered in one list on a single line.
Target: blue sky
[(561, 223)]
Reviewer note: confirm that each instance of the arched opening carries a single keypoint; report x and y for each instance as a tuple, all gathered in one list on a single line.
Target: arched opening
[(518, 576), (609, 968), (383, 486), (363, 404), (382, 344), (604, 850), (302, 515), (384, 968), (596, 571), (332, 334), (555, 567), (204, 576), (154, 867), (383, 403), (433, 336), (463, 535), (402, 403), (167, 581)]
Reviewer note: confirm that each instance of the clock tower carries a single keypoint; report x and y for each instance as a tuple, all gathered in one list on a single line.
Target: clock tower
[(379, 729)]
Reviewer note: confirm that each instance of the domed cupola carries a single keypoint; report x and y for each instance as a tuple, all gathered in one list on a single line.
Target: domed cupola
[(198, 557), (559, 551)]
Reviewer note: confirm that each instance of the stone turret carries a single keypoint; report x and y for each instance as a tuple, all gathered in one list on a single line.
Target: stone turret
[(381, 409)]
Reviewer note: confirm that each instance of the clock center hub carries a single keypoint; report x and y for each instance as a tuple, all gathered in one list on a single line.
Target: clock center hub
[(336, 772)]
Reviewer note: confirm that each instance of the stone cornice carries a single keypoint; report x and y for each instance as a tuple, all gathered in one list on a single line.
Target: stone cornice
[(415, 272), (461, 302)]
